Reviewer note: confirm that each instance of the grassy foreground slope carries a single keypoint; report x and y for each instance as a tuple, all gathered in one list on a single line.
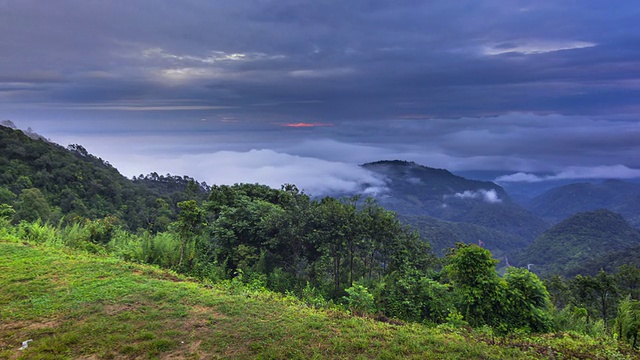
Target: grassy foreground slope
[(80, 306)]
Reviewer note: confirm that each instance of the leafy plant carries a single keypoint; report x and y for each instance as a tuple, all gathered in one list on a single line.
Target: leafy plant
[(627, 325), (360, 300)]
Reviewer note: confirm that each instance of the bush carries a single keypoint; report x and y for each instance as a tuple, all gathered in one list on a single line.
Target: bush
[(574, 320), (412, 296), (101, 230), (627, 325), (359, 301)]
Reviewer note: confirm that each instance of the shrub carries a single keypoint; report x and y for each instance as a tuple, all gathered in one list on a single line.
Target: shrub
[(360, 301)]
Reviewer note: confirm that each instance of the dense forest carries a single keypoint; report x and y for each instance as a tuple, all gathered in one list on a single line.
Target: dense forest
[(348, 251), (43, 180)]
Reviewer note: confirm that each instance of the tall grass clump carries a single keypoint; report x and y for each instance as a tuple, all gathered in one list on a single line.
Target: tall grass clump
[(126, 245), (7, 230), (75, 235), (40, 233), (574, 320), (162, 249)]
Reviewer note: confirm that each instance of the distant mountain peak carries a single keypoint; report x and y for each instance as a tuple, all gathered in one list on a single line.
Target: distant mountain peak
[(390, 162), (402, 163), (409, 170), (417, 190)]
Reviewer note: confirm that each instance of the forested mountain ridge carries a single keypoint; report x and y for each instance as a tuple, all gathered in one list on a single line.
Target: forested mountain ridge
[(443, 235), (421, 186), (581, 239), (561, 202), (415, 190), (41, 179)]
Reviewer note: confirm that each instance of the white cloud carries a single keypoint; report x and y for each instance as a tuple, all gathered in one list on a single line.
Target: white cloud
[(314, 176), (490, 196), (213, 57), (520, 177), (577, 172), (532, 47), (320, 73)]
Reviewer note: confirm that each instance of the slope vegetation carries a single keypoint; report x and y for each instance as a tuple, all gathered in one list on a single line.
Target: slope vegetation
[(418, 191), (45, 180), (581, 239), (72, 305), (564, 201), (443, 235)]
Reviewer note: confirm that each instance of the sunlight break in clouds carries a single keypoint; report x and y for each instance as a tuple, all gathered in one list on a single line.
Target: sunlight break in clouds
[(303, 124), (577, 172), (214, 56)]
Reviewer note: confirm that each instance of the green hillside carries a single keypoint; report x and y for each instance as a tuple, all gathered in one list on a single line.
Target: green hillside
[(561, 202), (416, 190), (77, 306), (443, 235), (44, 180), (579, 240)]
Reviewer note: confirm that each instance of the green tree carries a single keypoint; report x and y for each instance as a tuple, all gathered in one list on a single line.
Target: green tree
[(527, 301), (333, 232), (411, 295), (32, 205), (606, 291), (6, 196), (359, 300), (479, 291), (628, 280), (559, 291), (6, 211), (583, 295), (190, 222), (627, 325)]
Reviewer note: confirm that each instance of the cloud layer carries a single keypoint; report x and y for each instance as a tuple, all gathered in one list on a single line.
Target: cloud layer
[(314, 176), (464, 85), (597, 172)]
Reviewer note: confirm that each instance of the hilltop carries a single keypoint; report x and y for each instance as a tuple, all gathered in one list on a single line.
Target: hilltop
[(469, 210), (579, 240)]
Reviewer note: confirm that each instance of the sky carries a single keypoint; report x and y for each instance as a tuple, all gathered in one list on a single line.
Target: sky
[(302, 91)]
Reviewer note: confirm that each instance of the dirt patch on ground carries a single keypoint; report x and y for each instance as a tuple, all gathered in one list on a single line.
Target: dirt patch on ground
[(186, 351), (10, 331), (201, 317), (115, 309), (209, 312), (193, 347), (30, 325)]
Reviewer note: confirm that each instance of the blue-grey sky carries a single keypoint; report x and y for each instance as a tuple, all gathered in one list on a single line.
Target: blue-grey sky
[(277, 91)]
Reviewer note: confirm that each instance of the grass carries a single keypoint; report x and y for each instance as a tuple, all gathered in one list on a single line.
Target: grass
[(80, 306)]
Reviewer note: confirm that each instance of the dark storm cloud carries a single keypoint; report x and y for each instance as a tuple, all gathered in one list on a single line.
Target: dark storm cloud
[(348, 54), (519, 85)]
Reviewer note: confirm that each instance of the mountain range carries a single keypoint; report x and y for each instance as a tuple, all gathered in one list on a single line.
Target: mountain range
[(554, 229), (561, 202)]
